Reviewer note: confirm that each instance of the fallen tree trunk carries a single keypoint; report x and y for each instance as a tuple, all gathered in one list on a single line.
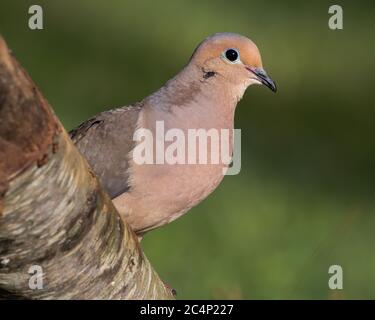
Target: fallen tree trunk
[(54, 216)]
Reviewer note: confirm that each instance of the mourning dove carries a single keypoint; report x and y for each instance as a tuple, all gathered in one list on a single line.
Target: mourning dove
[(203, 95)]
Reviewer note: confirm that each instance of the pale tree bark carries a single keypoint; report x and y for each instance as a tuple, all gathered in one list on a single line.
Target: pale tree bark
[(53, 212)]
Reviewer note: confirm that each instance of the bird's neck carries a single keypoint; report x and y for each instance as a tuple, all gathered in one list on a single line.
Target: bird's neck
[(191, 100)]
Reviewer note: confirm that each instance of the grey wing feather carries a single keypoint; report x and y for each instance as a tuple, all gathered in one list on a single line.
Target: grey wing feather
[(106, 141)]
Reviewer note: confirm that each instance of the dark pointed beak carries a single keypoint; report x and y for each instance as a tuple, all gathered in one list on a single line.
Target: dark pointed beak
[(263, 77)]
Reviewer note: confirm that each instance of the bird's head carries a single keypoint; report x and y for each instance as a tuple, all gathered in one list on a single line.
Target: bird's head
[(232, 58)]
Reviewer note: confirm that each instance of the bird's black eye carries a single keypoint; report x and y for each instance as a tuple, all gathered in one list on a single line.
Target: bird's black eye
[(232, 55)]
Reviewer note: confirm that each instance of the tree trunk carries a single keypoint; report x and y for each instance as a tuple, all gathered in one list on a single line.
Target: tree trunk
[(54, 215)]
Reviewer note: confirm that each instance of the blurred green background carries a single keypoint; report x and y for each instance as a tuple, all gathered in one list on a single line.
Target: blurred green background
[(304, 199)]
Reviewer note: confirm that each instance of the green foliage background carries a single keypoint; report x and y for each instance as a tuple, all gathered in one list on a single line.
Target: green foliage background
[(304, 199)]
